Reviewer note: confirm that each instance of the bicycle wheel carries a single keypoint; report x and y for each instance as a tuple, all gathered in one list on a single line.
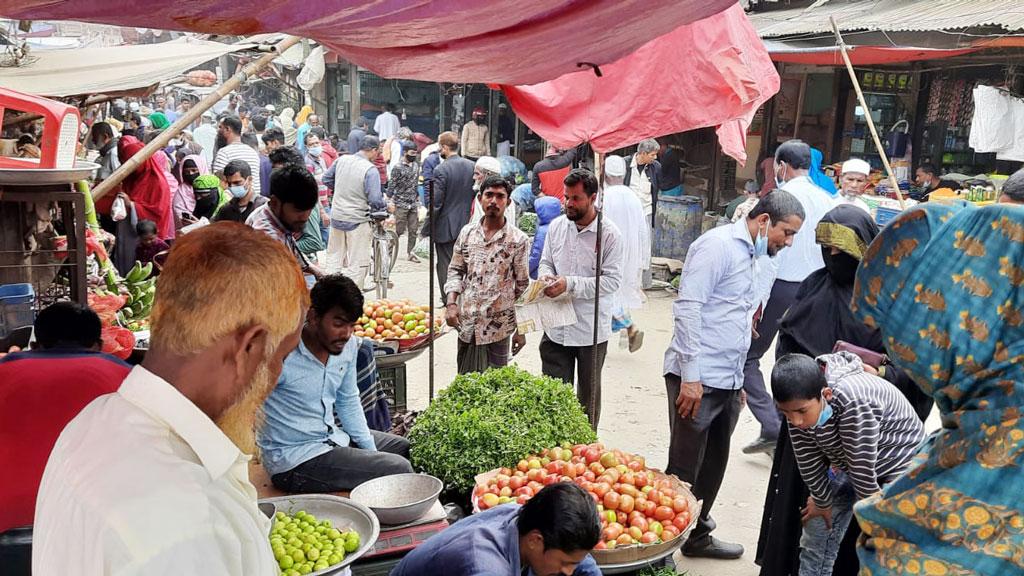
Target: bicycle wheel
[(392, 240), (380, 275)]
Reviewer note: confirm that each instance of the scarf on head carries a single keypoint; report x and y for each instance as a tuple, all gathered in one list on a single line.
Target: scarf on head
[(147, 187), (944, 286)]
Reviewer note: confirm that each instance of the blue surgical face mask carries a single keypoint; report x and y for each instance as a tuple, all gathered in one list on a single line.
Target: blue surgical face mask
[(761, 242), (826, 412), (316, 150), (237, 191)]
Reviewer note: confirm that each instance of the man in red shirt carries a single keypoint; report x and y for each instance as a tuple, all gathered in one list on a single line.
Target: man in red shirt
[(41, 390)]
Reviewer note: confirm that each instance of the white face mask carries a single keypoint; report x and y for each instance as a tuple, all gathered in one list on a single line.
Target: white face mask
[(780, 175)]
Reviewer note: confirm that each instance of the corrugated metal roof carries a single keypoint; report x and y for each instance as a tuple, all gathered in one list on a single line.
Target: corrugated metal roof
[(892, 16)]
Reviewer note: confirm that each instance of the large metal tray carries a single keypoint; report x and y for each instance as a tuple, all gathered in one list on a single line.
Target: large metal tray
[(44, 176), (342, 512)]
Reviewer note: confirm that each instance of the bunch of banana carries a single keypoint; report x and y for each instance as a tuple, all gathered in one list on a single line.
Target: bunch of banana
[(141, 290)]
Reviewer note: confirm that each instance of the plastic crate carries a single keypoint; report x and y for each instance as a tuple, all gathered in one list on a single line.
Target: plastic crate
[(392, 380), (884, 215), (16, 308)]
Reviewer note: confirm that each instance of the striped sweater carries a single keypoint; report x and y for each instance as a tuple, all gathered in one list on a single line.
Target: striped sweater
[(872, 434)]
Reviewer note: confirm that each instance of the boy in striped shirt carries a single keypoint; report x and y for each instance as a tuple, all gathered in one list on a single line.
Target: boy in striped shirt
[(852, 433)]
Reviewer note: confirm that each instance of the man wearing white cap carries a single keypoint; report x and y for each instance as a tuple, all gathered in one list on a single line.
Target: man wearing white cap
[(854, 182), (488, 166), (205, 135), (623, 207)]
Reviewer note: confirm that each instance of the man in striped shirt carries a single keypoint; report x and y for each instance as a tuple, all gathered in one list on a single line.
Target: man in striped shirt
[(230, 130), (852, 433)]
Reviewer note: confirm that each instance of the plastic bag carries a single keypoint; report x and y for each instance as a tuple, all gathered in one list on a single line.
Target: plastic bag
[(422, 248), (118, 211)]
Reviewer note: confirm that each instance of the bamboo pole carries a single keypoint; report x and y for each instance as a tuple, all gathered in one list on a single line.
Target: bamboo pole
[(867, 113), (595, 374), (189, 117)]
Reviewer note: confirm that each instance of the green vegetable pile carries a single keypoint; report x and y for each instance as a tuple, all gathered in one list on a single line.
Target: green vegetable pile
[(528, 223), (489, 420)]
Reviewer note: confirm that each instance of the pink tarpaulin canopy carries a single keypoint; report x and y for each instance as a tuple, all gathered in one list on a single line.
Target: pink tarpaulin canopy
[(494, 41), (715, 72)]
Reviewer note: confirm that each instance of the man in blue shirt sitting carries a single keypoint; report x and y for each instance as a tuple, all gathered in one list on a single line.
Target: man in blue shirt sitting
[(315, 437), (551, 535)]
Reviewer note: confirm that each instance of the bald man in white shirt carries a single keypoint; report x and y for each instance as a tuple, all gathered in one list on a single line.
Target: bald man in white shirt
[(153, 479)]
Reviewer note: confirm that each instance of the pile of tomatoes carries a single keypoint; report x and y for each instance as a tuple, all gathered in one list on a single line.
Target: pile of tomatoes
[(638, 506), (394, 320)]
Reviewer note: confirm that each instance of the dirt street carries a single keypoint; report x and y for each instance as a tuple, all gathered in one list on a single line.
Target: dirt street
[(634, 414)]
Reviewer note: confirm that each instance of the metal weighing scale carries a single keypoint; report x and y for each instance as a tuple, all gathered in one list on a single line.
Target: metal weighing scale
[(394, 541)]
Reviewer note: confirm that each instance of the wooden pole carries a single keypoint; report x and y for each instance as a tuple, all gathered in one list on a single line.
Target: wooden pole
[(432, 215), (867, 113), (189, 117), (595, 374)]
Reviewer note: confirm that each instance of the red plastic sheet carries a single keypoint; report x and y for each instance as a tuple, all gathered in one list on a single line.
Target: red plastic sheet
[(715, 72), (866, 55), (494, 41)]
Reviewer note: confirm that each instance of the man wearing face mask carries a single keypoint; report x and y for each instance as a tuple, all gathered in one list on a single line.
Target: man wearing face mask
[(165, 458), (404, 197), (243, 200), (476, 137), (723, 283), (854, 181), (792, 166)]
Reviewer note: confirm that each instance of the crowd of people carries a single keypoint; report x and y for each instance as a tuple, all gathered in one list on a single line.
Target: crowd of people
[(872, 329)]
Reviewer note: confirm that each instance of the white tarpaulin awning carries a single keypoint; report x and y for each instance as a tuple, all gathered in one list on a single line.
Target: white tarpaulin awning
[(111, 69)]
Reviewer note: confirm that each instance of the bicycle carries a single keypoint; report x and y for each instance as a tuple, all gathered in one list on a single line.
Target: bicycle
[(385, 253)]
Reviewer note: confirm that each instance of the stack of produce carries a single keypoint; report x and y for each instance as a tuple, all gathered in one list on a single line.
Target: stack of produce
[(303, 544), (638, 506), (483, 421), (394, 320), (137, 290)]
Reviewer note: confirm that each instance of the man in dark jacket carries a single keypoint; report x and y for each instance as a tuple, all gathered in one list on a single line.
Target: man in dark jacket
[(643, 175), (453, 199), (356, 135), (557, 164)]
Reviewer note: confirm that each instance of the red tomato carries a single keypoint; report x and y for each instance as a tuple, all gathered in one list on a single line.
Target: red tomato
[(639, 522), (635, 532), (649, 508), (679, 504), (536, 486), (626, 503), (601, 546), (666, 501), (628, 478), (648, 538), (590, 476), (596, 468), (551, 479), (522, 500), (629, 489), (505, 491), (669, 492), (635, 465), (624, 540), (502, 480), (654, 496), (621, 518), (505, 471), (534, 474), (640, 480), (554, 467), (612, 531), (611, 501), (517, 482), (601, 488), (578, 449), (663, 513), (668, 533), (592, 455), (523, 466), (580, 468), (680, 521)]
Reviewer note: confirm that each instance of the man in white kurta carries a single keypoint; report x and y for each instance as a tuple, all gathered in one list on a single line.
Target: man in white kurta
[(623, 208)]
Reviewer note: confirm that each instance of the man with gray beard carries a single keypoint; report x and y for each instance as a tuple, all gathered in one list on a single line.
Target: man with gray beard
[(154, 479)]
